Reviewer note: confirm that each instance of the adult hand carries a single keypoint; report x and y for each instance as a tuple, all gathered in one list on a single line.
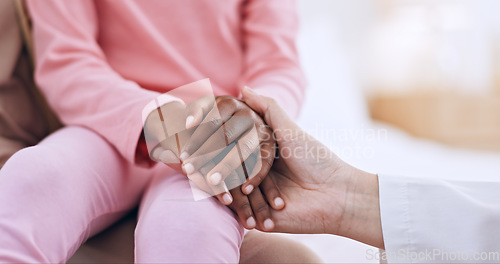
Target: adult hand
[(323, 194)]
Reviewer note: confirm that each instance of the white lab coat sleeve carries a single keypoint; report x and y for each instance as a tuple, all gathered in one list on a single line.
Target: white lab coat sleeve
[(438, 221)]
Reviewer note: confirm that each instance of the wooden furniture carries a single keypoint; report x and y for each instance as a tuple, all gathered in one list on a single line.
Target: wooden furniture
[(459, 120)]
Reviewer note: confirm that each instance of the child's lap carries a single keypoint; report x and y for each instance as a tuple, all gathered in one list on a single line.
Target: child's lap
[(171, 224), (76, 170)]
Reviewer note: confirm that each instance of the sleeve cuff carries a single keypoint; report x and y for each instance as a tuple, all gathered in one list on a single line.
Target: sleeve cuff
[(395, 217)]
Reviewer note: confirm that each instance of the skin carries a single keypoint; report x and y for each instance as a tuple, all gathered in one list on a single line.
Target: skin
[(323, 194), (213, 137)]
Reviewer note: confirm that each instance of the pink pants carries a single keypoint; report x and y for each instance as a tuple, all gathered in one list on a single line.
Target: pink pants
[(74, 184)]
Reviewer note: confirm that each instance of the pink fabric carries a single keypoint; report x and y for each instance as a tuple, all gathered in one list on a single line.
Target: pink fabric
[(100, 62), (74, 184)]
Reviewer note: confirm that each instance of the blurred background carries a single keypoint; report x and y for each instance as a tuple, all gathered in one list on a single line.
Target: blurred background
[(402, 87), (429, 67)]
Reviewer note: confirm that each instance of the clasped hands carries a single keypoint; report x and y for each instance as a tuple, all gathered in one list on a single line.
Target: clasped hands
[(318, 192), (225, 148)]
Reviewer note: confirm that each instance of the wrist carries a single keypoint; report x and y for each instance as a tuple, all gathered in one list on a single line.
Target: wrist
[(361, 218)]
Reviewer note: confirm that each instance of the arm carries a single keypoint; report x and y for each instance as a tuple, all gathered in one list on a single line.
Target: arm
[(77, 81), (440, 216), (272, 65), (406, 216)]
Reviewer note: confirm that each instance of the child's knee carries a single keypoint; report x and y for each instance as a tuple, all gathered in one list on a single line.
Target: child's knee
[(40, 172), (31, 166), (199, 228), (191, 217)]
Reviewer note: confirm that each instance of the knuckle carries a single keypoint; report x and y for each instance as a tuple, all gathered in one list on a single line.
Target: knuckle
[(249, 117), (248, 146), (227, 102), (215, 122), (261, 209), (244, 205), (247, 112), (229, 133)]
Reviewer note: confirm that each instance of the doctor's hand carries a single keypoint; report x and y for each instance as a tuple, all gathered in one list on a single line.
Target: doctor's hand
[(323, 194)]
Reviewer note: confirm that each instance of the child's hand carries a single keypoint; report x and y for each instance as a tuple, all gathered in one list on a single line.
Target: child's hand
[(231, 134), (165, 134), (233, 122), (212, 151)]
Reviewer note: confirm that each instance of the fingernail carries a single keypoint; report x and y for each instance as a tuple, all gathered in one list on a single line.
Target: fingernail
[(188, 168), (248, 189), (251, 222), (184, 156), (189, 121), (227, 199), (279, 202), (268, 224), (215, 178)]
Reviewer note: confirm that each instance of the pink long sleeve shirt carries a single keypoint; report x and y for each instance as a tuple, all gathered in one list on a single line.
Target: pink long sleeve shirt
[(99, 62)]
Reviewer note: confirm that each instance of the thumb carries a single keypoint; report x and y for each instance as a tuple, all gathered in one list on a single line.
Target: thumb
[(273, 114)]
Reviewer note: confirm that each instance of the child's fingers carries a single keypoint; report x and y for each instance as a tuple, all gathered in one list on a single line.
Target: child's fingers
[(272, 193), (160, 154), (214, 120), (197, 110), (223, 194), (220, 191), (261, 209), (228, 133), (267, 154), (199, 180), (203, 132), (244, 147), (241, 204), (155, 154)]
